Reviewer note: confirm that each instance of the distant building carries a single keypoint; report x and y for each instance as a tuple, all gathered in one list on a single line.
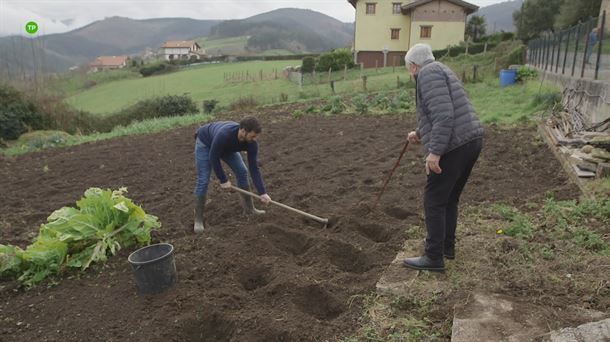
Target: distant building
[(181, 49), (149, 54), (108, 63), (386, 29)]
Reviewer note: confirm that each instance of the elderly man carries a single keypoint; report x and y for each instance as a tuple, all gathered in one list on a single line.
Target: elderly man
[(452, 136), (224, 140)]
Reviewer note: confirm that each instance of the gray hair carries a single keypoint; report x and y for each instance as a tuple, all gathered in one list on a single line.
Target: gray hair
[(418, 54)]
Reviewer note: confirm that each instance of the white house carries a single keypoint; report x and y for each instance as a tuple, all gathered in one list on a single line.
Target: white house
[(181, 49)]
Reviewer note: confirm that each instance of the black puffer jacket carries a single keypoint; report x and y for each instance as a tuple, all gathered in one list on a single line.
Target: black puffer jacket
[(446, 119)]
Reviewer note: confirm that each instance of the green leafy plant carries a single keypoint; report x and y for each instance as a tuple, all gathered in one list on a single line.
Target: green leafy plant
[(519, 224), (103, 222), (298, 113), (382, 101), (360, 104), (525, 73), (335, 105), (209, 105)]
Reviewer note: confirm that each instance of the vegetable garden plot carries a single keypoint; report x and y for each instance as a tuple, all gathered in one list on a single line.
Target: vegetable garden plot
[(275, 277)]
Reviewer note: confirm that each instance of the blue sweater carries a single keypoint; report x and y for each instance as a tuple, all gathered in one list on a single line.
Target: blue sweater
[(221, 138)]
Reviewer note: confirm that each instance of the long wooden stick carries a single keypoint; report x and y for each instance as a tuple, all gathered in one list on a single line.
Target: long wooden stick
[(313, 217), (404, 149)]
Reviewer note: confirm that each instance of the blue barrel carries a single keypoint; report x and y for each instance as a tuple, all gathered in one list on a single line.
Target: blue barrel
[(508, 77)]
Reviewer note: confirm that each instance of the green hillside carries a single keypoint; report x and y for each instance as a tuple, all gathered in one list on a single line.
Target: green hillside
[(201, 83), (224, 46)]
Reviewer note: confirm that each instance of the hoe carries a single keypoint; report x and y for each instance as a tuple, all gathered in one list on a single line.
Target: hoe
[(325, 222)]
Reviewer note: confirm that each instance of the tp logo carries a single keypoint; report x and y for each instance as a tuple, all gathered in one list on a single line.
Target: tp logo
[(31, 27)]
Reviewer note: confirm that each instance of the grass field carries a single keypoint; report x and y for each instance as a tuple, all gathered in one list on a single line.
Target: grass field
[(208, 82), (223, 46), (200, 82), (73, 82)]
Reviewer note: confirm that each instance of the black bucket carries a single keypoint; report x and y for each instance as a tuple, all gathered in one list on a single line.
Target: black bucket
[(154, 267)]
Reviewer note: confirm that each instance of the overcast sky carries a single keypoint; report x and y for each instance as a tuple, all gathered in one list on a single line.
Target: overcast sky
[(55, 16)]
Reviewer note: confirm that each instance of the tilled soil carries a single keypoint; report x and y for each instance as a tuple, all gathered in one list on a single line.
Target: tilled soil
[(277, 277)]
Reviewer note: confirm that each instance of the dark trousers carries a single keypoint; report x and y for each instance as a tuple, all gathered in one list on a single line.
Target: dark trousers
[(442, 195)]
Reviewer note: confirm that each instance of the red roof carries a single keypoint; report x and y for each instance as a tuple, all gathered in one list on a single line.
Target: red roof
[(109, 61)]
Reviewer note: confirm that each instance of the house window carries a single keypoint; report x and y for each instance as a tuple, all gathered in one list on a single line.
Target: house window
[(426, 32), (370, 8), (395, 34), (396, 8)]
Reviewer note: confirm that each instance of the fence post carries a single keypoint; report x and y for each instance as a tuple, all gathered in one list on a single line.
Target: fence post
[(599, 48), (584, 57), (332, 87), (485, 48), (558, 51), (345, 72), (539, 53), (329, 72), (545, 59), (565, 56), (397, 81), (576, 49), (261, 74), (474, 72), (552, 48), (364, 83)]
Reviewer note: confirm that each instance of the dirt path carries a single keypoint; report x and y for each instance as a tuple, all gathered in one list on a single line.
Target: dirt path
[(273, 278)]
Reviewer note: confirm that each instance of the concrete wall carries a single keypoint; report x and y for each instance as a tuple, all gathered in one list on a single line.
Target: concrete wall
[(592, 98)]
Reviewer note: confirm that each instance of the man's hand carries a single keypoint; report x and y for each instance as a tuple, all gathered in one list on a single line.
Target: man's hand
[(265, 198), (432, 163), (226, 186), (412, 137)]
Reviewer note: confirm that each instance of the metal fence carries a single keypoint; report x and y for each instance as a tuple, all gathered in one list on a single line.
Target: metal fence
[(576, 51)]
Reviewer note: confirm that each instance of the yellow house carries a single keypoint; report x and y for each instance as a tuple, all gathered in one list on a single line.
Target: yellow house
[(386, 29)]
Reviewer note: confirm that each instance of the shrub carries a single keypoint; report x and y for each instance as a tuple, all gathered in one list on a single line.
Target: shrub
[(336, 60), (157, 69), (243, 103), (43, 139), (209, 105), (524, 73), (17, 114), (457, 50), (170, 105), (308, 65), (516, 56), (89, 84)]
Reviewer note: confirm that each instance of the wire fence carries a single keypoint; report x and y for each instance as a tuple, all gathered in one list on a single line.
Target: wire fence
[(581, 51)]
